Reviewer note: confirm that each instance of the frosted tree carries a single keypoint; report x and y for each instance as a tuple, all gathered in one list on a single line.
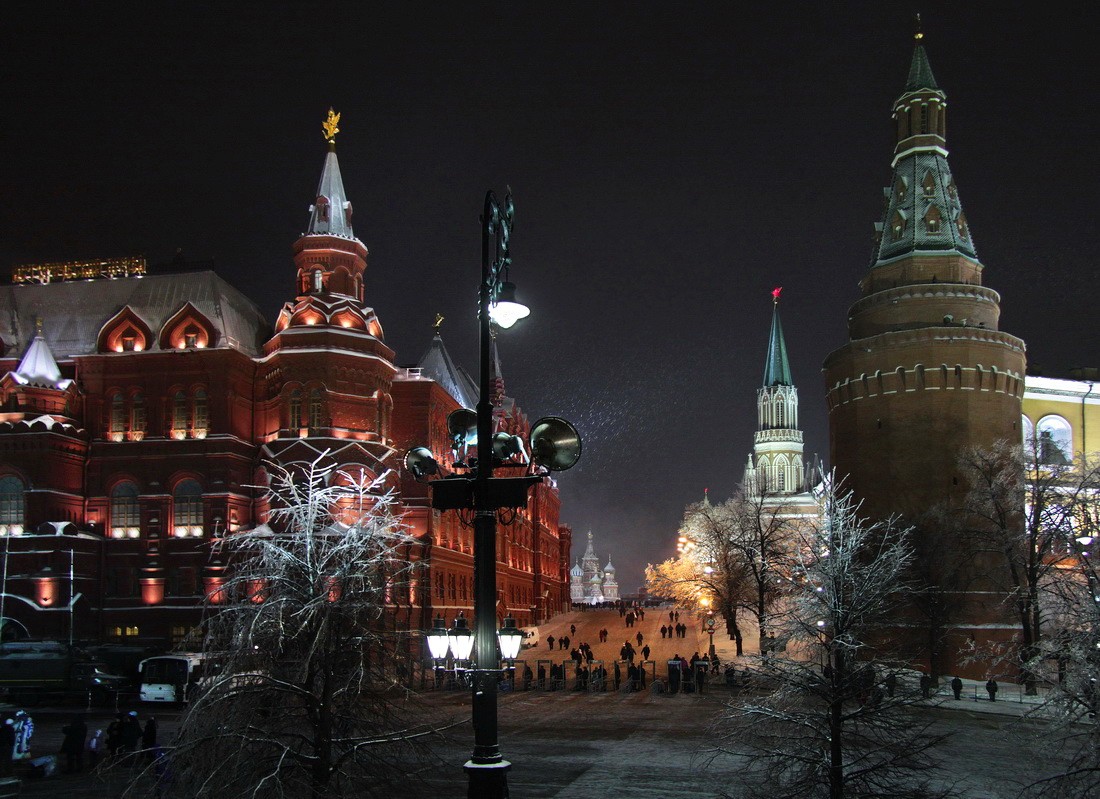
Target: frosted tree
[(734, 555), (300, 697), (1068, 664), (824, 726), (1020, 521)]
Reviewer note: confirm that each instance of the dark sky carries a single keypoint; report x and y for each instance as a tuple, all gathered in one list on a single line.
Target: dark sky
[(671, 163)]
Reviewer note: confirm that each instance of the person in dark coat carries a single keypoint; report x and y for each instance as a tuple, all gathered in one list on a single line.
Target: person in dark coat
[(925, 685), (891, 683), (114, 736), (991, 687), (639, 638), (72, 745), (618, 675), (131, 732), (645, 652), (957, 687), (550, 640), (149, 738)]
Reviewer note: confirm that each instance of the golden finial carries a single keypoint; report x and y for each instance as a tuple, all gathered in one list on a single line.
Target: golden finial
[(919, 34), (438, 322), (38, 325), (329, 126)]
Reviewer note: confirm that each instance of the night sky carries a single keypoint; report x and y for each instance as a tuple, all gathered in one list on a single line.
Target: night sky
[(671, 164)]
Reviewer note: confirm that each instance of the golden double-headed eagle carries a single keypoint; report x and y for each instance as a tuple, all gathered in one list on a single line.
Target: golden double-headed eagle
[(329, 125)]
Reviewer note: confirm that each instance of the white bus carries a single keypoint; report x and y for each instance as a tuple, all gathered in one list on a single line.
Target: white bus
[(170, 678)]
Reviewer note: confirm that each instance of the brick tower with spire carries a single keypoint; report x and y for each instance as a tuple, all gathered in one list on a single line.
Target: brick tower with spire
[(926, 372)]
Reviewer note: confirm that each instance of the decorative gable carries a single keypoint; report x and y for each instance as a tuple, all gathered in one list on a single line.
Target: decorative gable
[(125, 332), (187, 329)]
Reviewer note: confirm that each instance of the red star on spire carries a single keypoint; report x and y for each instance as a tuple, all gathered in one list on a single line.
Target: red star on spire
[(776, 292)]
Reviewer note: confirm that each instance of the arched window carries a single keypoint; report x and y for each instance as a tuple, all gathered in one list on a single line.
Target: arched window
[(179, 415), (125, 511), (138, 420), (201, 414), (187, 509), (295, 410), (315, 408), (1055, 441), (117, 426), (11, 505), (780, 415)]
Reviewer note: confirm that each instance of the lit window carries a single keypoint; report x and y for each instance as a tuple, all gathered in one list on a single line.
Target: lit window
[(11, 505), (125, 511), (201, 415), (187, 509), (179, 415), (315, 408), (117, 425), (295, 408)]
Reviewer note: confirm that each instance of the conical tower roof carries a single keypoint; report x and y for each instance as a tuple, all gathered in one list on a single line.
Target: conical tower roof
[(330, 213), (39, 367), (577, 571), (777, 369), (920, 71), (609, 567), (437, 365)]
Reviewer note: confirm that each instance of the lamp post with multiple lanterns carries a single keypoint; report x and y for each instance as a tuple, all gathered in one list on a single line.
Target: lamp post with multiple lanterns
[(554, 446)]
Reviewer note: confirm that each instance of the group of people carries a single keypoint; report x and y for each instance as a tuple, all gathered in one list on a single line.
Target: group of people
[(631, 616), (677, 631), (15, 741)]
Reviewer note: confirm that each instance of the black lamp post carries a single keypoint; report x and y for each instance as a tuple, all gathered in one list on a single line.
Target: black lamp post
[(555, 446), (487, 769)]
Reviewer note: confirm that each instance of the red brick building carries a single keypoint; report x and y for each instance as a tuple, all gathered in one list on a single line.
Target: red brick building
[(136, 410)]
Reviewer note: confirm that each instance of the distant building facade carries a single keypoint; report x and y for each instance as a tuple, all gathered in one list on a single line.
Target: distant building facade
[(136, 410)]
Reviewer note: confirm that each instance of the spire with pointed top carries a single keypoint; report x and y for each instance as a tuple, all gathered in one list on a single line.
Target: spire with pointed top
[(330, 213), (777, 369)]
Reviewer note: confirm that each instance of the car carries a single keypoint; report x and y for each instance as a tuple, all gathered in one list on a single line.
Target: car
[(531, 637)]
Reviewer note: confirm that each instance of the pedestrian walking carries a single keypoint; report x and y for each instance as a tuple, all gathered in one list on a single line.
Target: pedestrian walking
[(563, 644), (572, 629), (957, 687), (925, 685), (677, 615), (550, 640), (645, 652), (114, 737), (991, 687), (663, 631), (639, 637), (72, 744)]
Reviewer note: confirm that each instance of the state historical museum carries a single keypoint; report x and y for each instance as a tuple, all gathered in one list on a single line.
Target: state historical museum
[(138, 409)]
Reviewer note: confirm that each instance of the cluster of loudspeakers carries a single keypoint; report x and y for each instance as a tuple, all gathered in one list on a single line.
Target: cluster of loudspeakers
[(554, 444)]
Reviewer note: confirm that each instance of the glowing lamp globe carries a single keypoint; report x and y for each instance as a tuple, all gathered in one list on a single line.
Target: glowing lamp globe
[(510, 639), (506, 311), (437, 639), (461, 639)]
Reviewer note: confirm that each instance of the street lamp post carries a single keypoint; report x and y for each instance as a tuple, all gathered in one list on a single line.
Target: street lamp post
[(487, 769), (554, 445)]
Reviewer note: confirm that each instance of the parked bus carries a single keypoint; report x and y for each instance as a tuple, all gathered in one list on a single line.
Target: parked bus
[(170, 678)]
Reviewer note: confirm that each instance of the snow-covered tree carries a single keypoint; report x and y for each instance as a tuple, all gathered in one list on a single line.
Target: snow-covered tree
[(1021, 517), (300, 696), (734, 555), (826, 725)]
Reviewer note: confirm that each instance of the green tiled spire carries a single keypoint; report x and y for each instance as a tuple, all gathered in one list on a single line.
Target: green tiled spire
[(920, 72), (777, 370)]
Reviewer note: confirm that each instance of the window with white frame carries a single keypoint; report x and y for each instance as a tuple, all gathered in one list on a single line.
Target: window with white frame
[(1054, 437)]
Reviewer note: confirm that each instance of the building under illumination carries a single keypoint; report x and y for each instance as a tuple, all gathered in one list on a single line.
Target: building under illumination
[(137, 409)]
